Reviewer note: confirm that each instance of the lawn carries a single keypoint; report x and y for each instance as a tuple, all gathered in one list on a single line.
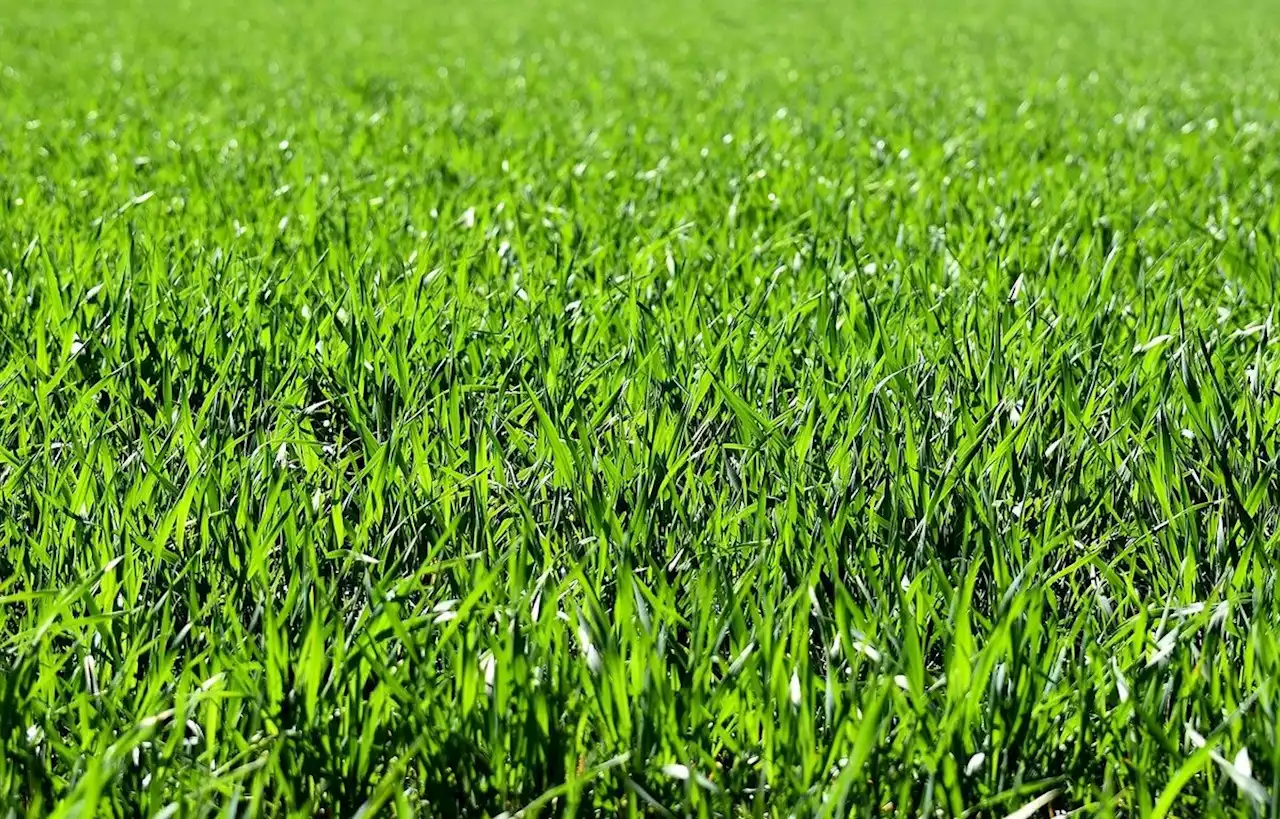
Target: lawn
[(713, 408)]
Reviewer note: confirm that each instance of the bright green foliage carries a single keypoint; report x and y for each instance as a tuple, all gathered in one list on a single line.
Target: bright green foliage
[(713, 408)]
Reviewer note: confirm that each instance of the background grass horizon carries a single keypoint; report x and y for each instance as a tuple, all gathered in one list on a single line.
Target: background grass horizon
[(713, 409)]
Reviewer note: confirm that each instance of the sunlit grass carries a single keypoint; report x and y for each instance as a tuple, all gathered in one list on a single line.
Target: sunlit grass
[(726, 409)]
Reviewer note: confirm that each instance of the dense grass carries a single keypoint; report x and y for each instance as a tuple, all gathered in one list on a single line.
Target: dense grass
[(737, 408)]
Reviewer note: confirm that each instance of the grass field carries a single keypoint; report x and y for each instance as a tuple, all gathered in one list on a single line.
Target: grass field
[(726, 408)]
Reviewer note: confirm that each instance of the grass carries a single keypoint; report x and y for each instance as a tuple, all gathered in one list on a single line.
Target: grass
[(715, 409)]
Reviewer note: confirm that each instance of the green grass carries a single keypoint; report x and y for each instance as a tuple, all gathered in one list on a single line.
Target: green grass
[(729, 408)]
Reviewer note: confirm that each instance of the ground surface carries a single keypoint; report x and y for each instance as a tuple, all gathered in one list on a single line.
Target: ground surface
[(725, 408)]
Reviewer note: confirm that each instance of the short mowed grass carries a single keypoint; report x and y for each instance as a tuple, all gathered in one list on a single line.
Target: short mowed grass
[(727, 408)]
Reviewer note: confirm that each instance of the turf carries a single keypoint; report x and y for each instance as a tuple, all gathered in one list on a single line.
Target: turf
[(728, 408)]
